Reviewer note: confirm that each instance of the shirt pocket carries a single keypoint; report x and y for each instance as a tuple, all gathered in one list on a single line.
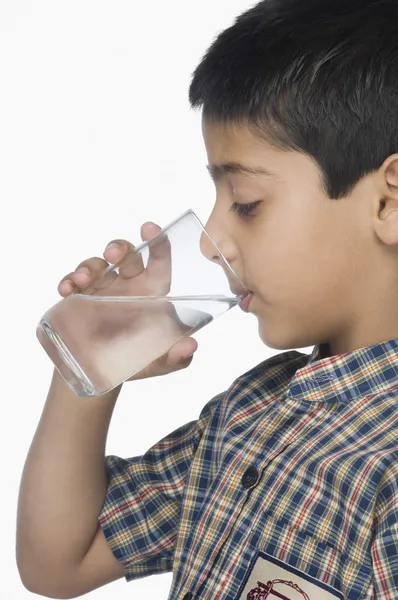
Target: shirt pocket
[(298, 566)]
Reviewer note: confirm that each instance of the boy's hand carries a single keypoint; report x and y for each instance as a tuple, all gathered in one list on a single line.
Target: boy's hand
[(135, 280)]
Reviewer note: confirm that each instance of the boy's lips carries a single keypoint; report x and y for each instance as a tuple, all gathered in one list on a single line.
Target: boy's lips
[(245, 301)]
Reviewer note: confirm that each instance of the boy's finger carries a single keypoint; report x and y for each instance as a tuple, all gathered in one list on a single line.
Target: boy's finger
[(122, 254), (116, 250), (182, 352), (66, 286), (87, 271), (159, 260)]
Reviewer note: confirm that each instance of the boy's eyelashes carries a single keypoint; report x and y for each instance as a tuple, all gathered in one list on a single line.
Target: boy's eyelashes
[(245, 210)]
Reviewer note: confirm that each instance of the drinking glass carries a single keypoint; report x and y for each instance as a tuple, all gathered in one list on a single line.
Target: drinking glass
[(170, 287)]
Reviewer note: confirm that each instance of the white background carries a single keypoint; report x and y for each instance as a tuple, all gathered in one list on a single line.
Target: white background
[(97, 137)]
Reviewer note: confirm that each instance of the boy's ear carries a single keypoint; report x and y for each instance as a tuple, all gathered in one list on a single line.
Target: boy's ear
[(391, 173), (387, 202)]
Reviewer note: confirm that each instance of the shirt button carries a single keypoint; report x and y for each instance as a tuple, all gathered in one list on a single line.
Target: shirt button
[(188, 596), (250, 477)]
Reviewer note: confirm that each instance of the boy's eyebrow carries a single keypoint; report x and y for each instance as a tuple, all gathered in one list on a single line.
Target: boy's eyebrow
[(217, 171)]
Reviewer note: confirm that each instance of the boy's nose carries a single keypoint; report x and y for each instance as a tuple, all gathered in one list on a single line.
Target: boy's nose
[(208, 249)]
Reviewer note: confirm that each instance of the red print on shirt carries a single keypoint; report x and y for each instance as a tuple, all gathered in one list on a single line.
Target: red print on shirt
[(267, 590)]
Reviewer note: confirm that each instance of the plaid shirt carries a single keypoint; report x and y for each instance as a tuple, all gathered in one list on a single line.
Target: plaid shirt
[(285, 487)]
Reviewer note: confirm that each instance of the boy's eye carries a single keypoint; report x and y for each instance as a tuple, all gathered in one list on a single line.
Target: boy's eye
[(244, 210)]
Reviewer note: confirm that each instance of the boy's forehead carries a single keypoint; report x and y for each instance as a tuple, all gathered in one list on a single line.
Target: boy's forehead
[(231, 146), (232, 143), (224, 133)]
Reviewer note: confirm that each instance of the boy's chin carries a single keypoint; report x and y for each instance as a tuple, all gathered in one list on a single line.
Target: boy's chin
[(276, 337)]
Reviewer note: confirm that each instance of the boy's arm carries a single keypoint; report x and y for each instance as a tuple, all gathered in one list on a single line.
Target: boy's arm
[(62, 491), (60, 549), (86, 519)]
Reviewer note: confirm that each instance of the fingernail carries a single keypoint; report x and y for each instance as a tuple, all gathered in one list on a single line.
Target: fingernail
[(66, 284), (111, 245), (83, 270), (185, 358)]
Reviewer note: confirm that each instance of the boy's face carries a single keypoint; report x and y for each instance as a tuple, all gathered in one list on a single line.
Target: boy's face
[(321, 270)]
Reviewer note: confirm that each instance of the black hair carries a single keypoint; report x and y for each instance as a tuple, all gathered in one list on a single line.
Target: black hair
[(315, 76)]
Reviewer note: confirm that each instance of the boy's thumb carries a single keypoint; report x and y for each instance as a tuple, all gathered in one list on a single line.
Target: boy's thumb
[(185, 359), (182, 353)]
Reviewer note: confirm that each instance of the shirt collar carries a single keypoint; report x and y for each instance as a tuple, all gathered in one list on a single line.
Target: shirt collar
[(343, 377)]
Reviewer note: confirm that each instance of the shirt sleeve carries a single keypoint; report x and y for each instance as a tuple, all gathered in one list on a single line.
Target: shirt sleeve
[(140, 515), (384, 548)]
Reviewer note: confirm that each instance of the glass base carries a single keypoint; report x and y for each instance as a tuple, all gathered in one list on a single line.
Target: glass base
[(64, 362)]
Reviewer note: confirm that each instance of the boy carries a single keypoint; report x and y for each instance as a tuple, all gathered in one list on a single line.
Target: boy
[(287, 484)]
